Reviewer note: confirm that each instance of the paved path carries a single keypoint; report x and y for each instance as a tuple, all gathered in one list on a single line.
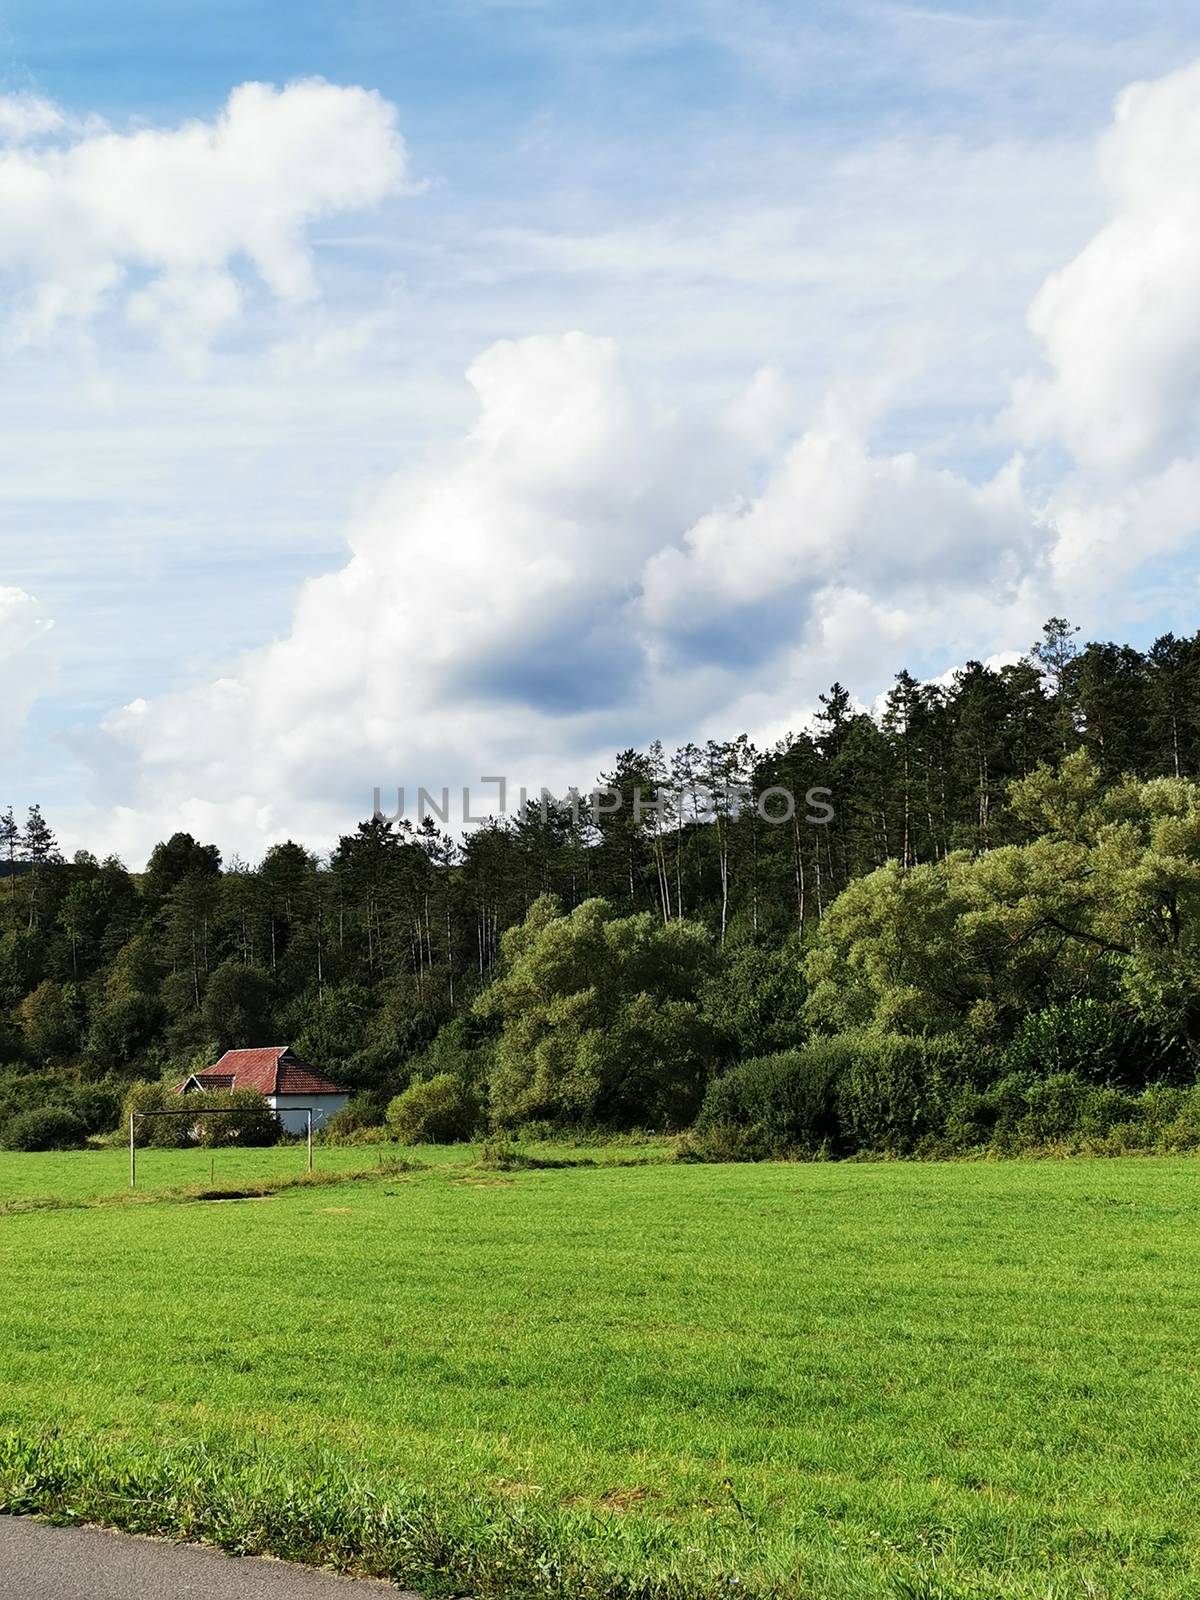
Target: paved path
[(38, 1562)]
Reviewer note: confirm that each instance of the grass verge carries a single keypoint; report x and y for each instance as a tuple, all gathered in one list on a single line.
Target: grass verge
[(313, 1512)]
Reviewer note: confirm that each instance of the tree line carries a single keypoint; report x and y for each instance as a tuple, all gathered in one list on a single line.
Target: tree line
[(395, 954)]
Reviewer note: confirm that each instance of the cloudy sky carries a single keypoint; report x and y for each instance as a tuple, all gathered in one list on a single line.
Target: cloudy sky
[(399, 392)]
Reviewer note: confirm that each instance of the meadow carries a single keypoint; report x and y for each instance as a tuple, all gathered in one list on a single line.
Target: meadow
[(101, 1173), (924, 1381)]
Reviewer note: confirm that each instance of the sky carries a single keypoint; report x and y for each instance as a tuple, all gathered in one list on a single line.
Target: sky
[(399, 393)]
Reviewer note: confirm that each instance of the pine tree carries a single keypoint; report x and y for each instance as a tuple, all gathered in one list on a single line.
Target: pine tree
[(1111, 684), (1173, 700), (10, 844), (39, 848), (1056, 653)]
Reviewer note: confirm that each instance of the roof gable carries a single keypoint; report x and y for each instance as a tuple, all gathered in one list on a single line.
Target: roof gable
[(274, 1070)]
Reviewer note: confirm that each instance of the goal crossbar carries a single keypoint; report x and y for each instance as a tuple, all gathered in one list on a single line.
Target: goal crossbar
[(215, 1111)]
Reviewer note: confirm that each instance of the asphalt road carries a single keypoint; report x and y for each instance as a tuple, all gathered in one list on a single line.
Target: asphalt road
[(38, 1562)]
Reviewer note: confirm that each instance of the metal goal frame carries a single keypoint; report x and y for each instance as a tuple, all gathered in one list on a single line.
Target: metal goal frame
[(215, 1111)]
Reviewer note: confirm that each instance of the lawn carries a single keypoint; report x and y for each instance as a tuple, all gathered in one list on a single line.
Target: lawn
[(103, 1173), (920, 1381)]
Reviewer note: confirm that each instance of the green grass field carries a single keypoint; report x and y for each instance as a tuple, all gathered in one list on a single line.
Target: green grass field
[(102, 1174), (920, 1381)]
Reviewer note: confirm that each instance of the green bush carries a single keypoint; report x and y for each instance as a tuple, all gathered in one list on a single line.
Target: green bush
[(1026, 1113), (1182, 1132), (438, 1110), (97, 1105), (159, 1133), (725, 1141), (598, 1020), (254, 1125), (786, 1101), (894, 1092), (360, 1121), (1094, 1041), (1053, 1110), (879, 1093), (754, 999), (45, 1128), (257, 1125), (462, 1047)]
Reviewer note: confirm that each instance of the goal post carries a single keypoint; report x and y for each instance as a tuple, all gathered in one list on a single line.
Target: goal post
[(217, 1111)]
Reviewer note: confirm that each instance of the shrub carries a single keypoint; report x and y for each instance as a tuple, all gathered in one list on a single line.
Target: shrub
[(255, 1124), (754, 999), (461, 1047), (1103, 1111), (1053, 1108), (724, 1141), (894, 1092), (1093, 1041), (598, 1019), (970, 1122), (1023, 1112), (161, 1133), (786, 1101), (1162, 1118), (360, 1121), (438, 1110), (97, 1105), (45, 1128), (855, 1091), (1182, 1132)]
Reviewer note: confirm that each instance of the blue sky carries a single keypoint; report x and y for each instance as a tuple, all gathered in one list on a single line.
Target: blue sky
[(762, 394)]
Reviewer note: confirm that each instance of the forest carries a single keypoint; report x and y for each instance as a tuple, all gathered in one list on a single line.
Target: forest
[(991, 943)]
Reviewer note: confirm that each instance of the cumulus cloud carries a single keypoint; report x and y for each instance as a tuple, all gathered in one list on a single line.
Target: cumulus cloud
[(1120, 324), (157, 220), (590, 567), (1120, 330), (834, 514), (532, 598)]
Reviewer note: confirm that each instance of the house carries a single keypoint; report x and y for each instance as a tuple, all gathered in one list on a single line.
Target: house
[(282, 1078)]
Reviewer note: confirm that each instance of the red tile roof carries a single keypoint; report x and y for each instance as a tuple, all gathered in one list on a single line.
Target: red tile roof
[(272, 1071)]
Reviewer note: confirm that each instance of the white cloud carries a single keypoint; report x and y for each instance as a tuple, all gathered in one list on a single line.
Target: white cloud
[(591, 565), (25, 664), (1107, 531), (833, 512), (28, 116), (1120, 324), (158, 220), (533, 598), (483, 596)]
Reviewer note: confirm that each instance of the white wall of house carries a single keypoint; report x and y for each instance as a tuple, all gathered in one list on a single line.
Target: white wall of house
[(323, 1107)]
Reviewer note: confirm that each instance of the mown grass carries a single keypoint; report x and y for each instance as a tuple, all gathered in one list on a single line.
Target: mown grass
[(104, 1172), (916, 1381)]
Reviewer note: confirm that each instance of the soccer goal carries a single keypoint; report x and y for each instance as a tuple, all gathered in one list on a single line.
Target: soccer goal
[(212, 1111)]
